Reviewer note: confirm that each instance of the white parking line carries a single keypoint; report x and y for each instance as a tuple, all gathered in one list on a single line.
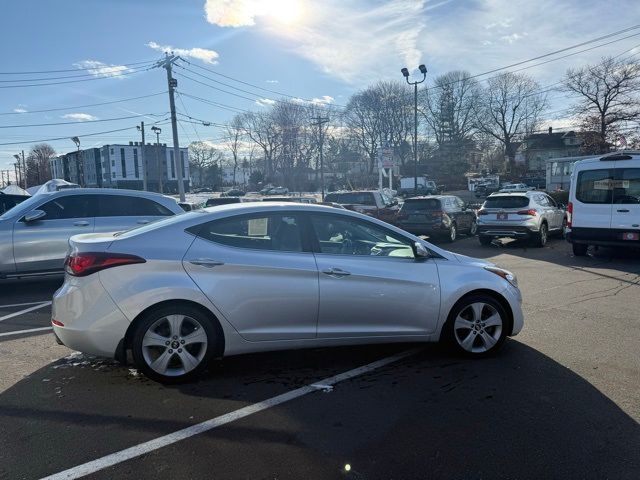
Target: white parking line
[(21, 304), (160, 442), (26, 310), (31, 330)]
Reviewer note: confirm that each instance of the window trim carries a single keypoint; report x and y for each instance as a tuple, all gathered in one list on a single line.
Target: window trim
[(300, 218)]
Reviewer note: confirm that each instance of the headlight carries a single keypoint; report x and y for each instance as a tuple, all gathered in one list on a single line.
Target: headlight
[(506, 274)]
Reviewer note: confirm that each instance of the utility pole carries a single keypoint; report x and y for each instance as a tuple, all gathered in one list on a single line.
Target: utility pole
[(158, 131), (23, 170), (319, 121), (167, 64), (143, 159), (16, 170)]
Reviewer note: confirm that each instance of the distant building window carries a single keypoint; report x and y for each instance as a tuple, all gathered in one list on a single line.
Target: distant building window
[(184, 174), (135, 163), (123, 163), (113, 174), (112, 151), (113, 163), (173, 165)]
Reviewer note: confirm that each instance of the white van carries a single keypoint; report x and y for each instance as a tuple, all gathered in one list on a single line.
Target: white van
[(604, 202)]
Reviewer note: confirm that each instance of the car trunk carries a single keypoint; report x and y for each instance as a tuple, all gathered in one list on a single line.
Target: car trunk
[(421, 211), (505, 209)]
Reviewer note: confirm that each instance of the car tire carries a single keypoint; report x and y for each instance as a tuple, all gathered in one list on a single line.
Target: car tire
[(540, 238), (579, 249), (473, 229), (477, 326), (452, 234), (485, 240), (174, 344), (563, 229)]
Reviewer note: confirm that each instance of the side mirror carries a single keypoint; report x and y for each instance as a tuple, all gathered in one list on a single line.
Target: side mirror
[(421, 251), (34, 215)]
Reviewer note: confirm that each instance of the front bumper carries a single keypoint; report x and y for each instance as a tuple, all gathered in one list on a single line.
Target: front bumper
[(514, 297), (93, 323)]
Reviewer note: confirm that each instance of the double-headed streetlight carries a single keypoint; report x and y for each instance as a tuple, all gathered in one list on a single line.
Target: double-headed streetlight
[(405, 73), (158, 131), (79, 161)]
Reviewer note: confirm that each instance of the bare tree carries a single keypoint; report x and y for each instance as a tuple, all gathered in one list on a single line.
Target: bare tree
[(203, 156), (38, 166), (363, 119), (608, 95), (233, 135), (509, 108), (261, 129)]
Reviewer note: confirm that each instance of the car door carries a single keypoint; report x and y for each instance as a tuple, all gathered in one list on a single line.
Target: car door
[(626, 203), (370, 282), (256, 270), (558, 213), (122, 212), (41, 245), (463, 216)]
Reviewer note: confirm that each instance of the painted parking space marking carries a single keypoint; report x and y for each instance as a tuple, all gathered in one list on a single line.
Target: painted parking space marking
[(30, 330), (166, 440), (26, 310), (2, 307)]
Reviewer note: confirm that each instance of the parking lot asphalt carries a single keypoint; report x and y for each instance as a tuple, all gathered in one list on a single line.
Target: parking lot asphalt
[(561, 400)]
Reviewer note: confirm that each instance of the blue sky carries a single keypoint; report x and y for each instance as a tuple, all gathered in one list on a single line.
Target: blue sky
[(323, 50)]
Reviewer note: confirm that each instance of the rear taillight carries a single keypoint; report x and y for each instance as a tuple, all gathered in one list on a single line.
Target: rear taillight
[(569, 214), (86, 263), (531, 212), (482, 211)]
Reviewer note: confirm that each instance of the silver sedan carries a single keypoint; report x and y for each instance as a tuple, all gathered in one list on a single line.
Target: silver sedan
[(256, 277)]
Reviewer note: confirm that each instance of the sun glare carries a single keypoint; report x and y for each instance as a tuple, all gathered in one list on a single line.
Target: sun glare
[(284, 11)]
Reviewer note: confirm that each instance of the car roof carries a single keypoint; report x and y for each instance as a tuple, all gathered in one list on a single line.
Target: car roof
[(513, 194), (429, 197)]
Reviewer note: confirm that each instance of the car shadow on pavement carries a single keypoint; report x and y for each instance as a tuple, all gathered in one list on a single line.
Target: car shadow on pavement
[(519, 414)]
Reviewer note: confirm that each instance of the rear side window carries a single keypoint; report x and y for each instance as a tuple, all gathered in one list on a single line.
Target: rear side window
[(265, 232), (594, 186), (127, 206), (626, 186), (505, 201), (71, 206), (418, 205), (358, 198)]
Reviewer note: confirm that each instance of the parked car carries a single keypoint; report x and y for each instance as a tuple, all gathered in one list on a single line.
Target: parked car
[(292, 199), (438, 216), (215, 201), (234, 192), (369, 202), (8, 201), (262, 277), (604, 202), (484, 190), (190, 206), (525, 215), (515, 187), (275, 191), (34, 235), (425, 187)]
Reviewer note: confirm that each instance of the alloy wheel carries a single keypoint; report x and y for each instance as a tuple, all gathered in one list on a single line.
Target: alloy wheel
[(478, 327), (174, 345), (474, 228)]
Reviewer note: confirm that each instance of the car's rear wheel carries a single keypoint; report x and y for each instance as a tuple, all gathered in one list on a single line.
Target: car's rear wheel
[(452, 234), (563, 229), (473, 229), (174, 344), (477, 325), (485, 240), (540, 239), (579, 249)]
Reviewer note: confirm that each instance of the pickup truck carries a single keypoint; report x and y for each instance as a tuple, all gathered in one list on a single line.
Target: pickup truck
[(370, 202)]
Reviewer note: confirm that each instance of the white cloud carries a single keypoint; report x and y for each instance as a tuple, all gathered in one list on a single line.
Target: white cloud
[(20, 109), (272, 81), (80, 117), (265, 102), (514, 37), (231, 13), (101, 69), (319, 101), (206, 55)]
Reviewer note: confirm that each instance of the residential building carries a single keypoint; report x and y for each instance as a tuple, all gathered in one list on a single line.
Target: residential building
[(122, 166), (537, 148)]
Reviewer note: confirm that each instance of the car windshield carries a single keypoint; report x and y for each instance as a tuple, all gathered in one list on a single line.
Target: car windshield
[(506, 201), (357, 198)]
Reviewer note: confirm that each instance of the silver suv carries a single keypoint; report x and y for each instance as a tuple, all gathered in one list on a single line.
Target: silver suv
[(524, 215), (34, 235)]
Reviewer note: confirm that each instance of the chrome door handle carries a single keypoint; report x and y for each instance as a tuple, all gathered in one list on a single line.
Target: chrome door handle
[(81, 224), (206, 262), (143, 222), (336, 272), (624, 210)]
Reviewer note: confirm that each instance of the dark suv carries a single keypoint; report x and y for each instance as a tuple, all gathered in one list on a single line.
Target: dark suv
[(437, 216), (8, 201)]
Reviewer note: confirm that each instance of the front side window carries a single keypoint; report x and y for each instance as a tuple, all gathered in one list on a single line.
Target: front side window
[(595, 186), (71, 206), (348, 236), (264, 232), (347, 198), (126, 206), (626, 186)]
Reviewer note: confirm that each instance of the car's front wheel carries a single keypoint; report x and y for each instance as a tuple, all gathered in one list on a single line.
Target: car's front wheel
[(477, 325), (174, 344), (452, 235)]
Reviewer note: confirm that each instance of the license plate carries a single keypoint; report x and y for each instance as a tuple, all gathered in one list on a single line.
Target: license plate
[(502, 216), (631, 236)]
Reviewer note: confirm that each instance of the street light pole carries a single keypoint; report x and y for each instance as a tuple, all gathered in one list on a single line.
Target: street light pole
[(405, 73), (143, 160), (80, 163), (319, 121), (158, 131)]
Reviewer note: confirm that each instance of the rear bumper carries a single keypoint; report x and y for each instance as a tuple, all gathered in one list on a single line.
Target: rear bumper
[(510, 231), (424, 228), (606, 237)]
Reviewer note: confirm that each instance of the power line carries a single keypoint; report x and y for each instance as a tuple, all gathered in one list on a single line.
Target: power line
[(67, 137), (76, 69), (97, 71), (185, 110), (216, 104), (83, 121)]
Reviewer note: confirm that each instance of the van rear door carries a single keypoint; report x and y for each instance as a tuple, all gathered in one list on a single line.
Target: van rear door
[(593, 195), (626, 203)]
